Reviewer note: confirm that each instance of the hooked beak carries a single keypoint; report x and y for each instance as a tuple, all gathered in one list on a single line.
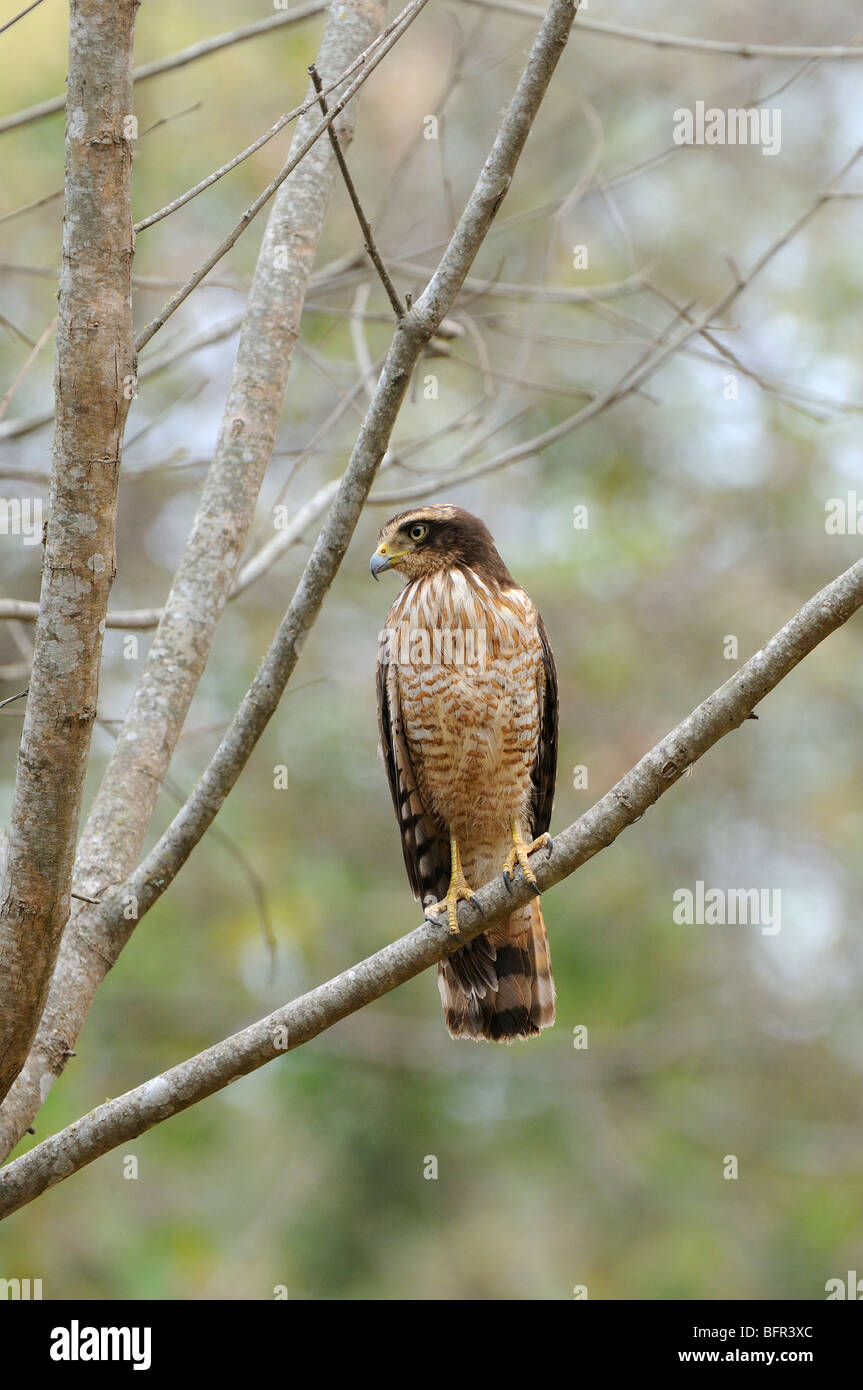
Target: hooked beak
[(384, 559)]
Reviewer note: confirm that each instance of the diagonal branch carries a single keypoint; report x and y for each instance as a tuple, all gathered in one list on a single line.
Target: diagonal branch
[(101, 931), (275, 129), (663, 347), (299, 150), (176, 60), (31, 358), (34, 4), (132, 1114), (732, 48), (368, 238), (118, 821)]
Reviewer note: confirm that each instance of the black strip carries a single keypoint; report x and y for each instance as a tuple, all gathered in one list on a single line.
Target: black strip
[(512, 960), (511, 1023)]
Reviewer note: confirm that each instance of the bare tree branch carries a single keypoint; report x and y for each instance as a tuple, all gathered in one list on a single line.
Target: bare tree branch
[(31, 207), (124, 805), (95, 363), (98, 934), (659, 351), (299, 150), (31, 358), (551, 294), (177, 60), (58, 192), (8, 25), (733, 49), (368, 237), (631, 382), (288, 1028), (156, 361), (256, 145)]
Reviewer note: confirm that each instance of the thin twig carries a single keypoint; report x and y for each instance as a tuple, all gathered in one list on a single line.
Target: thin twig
[(176, 60), (262, 140), (551, 294), (174, 116), (10, 699), (394, 33), (58, 192), (368, 238), (358, 338), (660, 350), (16, 331), (34, 353), (10, 22), (30, 207), (731, 48)]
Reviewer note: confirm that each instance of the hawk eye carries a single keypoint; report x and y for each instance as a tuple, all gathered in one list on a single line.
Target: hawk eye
[(419, 531)]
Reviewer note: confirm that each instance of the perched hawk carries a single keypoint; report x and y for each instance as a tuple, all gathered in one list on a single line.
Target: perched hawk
[(467, 705)]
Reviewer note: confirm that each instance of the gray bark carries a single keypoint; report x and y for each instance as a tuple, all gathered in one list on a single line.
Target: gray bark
[(93, 388), (115, 830)]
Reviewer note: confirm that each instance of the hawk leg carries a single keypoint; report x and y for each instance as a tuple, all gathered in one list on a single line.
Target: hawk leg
[(520, 852), (459, 889)]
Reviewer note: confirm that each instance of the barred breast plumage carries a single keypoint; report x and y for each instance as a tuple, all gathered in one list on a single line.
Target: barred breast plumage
[(467, 699)]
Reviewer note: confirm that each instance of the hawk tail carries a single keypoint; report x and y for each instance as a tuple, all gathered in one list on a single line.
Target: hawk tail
[(500, 986)]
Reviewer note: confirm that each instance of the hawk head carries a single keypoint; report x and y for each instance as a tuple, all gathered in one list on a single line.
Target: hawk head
[(420, 542)]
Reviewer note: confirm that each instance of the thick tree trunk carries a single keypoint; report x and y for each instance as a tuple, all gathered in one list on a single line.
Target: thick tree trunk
[(114, 833), (94, 385)]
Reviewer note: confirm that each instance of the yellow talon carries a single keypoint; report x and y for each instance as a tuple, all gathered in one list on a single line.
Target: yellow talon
[(459, 889), (520, 852)]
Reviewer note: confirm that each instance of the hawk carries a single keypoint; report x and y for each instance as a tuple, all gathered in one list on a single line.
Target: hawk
[(467, 709)]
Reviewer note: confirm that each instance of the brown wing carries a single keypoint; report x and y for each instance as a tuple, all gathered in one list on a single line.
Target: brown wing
[(425, 843), (545, 771)]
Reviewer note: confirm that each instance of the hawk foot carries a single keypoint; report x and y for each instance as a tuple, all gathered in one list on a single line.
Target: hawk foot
[(519, 854), (459, 891)]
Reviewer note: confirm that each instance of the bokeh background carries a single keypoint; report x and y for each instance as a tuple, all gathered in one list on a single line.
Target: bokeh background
[(557, 1167)]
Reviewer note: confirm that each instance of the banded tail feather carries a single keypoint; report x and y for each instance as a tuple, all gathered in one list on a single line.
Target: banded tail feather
[(500, 987)]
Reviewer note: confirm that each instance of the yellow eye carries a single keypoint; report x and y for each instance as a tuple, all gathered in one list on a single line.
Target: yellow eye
[(418, 531)]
